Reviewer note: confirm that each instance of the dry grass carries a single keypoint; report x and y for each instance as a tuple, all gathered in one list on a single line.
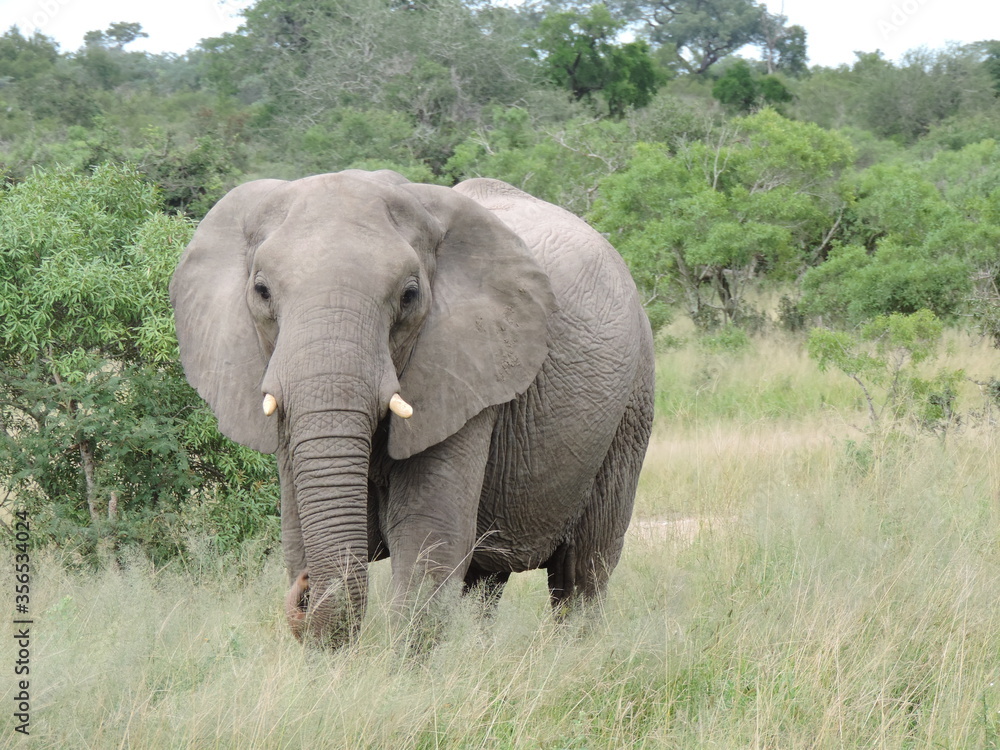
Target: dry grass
[(782, 587)]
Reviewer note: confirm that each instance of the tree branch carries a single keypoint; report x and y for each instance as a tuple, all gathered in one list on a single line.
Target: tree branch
[(820, 253), (868, 398)]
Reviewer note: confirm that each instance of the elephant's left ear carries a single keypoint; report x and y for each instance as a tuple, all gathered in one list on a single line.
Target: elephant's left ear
[(486, 335)]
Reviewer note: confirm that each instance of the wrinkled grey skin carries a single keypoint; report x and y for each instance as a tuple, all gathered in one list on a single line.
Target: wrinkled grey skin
[(512, 328)]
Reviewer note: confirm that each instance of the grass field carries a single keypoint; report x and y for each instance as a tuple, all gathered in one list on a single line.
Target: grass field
[(789, 582)]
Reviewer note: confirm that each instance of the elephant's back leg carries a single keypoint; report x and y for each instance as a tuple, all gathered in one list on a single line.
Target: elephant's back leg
[(582, 564)]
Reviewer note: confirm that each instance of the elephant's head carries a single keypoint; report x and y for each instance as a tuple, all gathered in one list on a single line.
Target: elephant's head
[(304, 307)]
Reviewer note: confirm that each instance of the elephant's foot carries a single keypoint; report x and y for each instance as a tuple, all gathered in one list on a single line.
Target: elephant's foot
[(296, 603)]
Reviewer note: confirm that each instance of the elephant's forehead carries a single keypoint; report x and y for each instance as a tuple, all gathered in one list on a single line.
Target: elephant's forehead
[(333, 206), (321, 244), (342, 194), (312, 251), (336, 221)]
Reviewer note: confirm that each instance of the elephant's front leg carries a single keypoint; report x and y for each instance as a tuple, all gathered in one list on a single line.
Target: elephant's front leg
[(429, 518)]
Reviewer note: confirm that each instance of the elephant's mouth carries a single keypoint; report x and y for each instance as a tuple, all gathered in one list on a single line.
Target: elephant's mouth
[(296, 604)]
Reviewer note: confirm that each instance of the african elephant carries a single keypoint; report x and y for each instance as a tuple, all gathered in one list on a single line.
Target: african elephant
[(506, 337)]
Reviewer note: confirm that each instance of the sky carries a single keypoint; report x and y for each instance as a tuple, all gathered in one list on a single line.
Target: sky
[(172, 25), (835, 28)]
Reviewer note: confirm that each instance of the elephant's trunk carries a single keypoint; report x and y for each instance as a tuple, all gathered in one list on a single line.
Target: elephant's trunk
[(331, 395), (330, 454)]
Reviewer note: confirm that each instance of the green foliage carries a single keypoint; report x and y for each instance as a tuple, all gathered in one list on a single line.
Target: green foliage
[(743, 92), (436, 65), (96, 420), (563, 160), (883, 358), (852, 285), (792, 51), (737, 89), (991, 62), (38, 83), (563, 165), (699, 33), (116, 36), (903, 101), (918, 235), (578, 52), (703, 222), (351, 138), (24, 58), (191, 176)]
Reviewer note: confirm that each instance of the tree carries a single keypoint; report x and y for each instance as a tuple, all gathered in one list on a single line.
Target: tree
[(562, 164), (191, 176), (737, 88), (782, 47), (35, 83), (853, 285), (104, 59), (22, 58), (564, 161), (991, 61), (916, 237), (700, 32), (905, 101), (100, 436), (761, 197), (578, 52), (439, 64), (792, 51), (742, 91), (882, 357), (116, 36)]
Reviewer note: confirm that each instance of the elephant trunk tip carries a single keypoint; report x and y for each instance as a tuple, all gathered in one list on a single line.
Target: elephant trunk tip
[(296, 604)]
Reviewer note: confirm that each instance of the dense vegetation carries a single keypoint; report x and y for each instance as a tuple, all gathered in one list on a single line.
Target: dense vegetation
[(692, 132), (814, 559)]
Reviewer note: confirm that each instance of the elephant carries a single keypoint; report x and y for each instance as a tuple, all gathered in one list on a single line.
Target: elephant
[(457, 378)]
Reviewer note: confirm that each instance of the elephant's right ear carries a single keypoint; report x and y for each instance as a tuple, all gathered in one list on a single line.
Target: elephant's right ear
[(218, 341)]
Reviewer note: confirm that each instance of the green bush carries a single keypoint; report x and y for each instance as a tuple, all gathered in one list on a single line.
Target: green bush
[(884, 359), (101, 438)]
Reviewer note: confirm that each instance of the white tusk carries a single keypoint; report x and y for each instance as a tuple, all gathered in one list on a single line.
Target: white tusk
[(270, 404), (399, 407)]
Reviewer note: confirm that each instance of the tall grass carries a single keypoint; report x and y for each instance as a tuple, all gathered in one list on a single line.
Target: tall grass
[(770, 379), (775, 591)]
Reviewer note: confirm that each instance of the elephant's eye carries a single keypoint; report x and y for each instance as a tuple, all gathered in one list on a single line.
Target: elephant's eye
[(262, 291), (410, 295)]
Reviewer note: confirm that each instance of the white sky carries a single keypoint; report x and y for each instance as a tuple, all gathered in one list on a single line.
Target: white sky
[(172, 25), (836, 28)]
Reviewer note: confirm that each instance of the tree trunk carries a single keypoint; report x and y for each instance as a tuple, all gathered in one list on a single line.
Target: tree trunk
[(89, 472)]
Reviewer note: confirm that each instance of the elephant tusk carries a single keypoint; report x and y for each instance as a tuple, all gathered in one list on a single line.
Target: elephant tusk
[(270, 404), (399, 407)]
